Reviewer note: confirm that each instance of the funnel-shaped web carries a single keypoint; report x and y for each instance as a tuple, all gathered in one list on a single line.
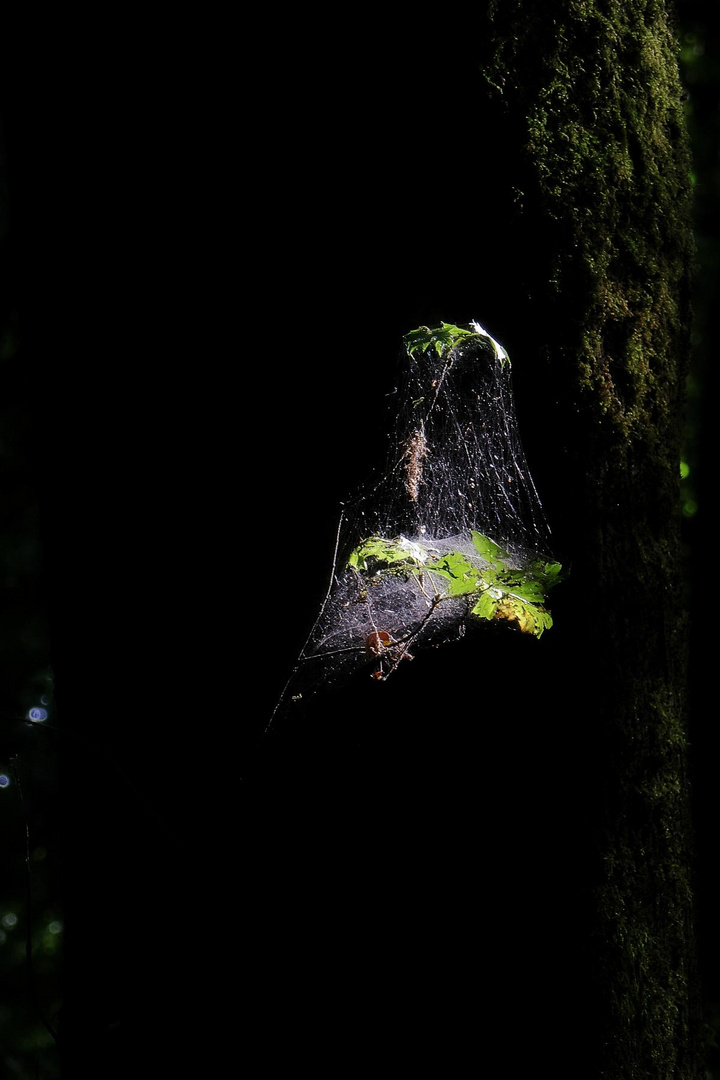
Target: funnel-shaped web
[(453, 533)]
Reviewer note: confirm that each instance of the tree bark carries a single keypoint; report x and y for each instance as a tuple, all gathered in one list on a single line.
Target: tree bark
[(602, 238)]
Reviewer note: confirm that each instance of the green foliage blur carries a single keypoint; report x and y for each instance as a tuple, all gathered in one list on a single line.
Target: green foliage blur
[(31, 917)]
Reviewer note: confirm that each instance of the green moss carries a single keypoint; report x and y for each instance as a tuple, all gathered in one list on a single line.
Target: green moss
[(592, 93), (604, 141)]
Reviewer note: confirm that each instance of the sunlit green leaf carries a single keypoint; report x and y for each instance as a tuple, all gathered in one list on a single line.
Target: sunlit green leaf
[(442, 338), (486, 606), (462, 576), (374, 553), (503, 593), (488, 549)]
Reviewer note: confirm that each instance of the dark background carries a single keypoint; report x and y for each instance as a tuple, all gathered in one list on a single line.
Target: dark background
[(213, 257)]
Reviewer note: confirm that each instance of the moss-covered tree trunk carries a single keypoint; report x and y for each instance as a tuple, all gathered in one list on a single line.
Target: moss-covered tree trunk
[(590, 95)]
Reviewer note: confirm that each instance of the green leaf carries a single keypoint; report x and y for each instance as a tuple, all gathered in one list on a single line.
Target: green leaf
[(457, 569), (515, 595), (442, 338), (447, 336), (375, 554), (488, 549), (486, 606), (529, 618), (514, 583)]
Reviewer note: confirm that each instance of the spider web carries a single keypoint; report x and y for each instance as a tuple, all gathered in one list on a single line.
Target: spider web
[(451, 536)]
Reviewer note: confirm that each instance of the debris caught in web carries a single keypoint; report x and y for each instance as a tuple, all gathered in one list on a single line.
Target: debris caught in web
[(452, 535)]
